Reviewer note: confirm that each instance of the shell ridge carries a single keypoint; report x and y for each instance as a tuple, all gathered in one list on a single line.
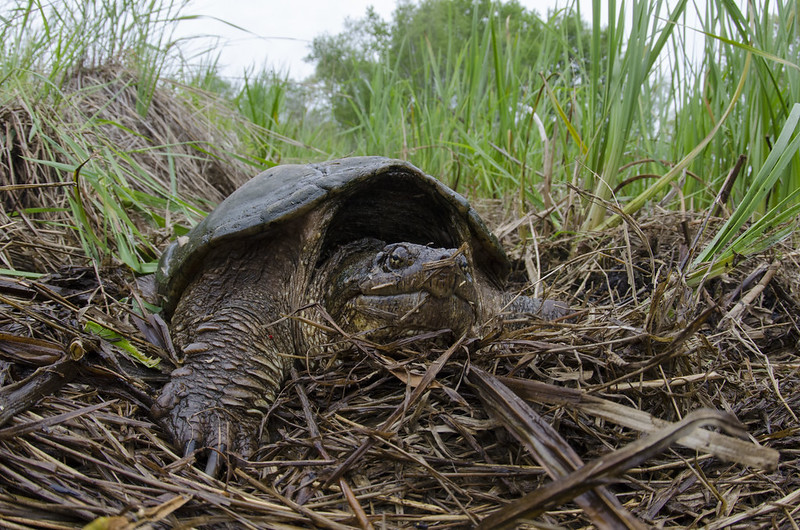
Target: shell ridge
[(289, 191)]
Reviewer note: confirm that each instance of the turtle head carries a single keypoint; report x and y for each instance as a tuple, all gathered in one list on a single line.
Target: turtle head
[(387, 291)]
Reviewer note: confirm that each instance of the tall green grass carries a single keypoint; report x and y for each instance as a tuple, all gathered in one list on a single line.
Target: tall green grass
[(78, 84), (51, 39), (621, 112), (638, 101)]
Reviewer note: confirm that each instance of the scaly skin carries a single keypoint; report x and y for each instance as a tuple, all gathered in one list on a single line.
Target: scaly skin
[(225, 324), (238, 347)]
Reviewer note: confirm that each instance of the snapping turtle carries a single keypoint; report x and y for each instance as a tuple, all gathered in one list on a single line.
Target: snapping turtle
[(385, 249)]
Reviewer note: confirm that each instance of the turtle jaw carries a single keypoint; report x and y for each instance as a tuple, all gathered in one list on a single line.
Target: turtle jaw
[(388, 317)]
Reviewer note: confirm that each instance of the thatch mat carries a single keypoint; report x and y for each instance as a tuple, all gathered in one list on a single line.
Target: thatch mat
[(424, 451)]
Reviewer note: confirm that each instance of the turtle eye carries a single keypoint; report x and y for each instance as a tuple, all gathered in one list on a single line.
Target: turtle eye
[(398, 258)]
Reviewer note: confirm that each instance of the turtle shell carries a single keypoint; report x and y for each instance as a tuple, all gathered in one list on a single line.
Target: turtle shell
[(359, 197)]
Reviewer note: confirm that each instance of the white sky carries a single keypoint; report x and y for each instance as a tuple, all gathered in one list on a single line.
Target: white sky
[(278, 32)]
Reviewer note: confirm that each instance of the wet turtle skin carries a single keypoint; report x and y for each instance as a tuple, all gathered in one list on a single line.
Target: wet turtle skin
[(384, 249)]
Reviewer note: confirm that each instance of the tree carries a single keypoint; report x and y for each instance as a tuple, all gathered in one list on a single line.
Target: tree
[(439, 28), (345, 62), (430, 35)]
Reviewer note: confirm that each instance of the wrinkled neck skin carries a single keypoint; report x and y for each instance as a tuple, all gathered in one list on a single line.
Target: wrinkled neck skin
[(510, 310)]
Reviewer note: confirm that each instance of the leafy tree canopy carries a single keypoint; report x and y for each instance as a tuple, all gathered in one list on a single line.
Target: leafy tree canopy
[(426, 35)]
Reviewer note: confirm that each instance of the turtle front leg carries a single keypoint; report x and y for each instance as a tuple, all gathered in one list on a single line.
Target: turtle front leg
[(232, 373)]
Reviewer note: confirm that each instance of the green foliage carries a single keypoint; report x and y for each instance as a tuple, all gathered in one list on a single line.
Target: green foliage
[(54, 39), (260, 101), (346, 62), (424, 41), (436, 29), (628, 64), (120, 342), (730, 242), (770, 42), (492, 98), (80, 77), (455, 87)]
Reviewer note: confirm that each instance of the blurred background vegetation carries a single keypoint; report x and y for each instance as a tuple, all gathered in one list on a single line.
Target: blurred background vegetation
[(558, 114)]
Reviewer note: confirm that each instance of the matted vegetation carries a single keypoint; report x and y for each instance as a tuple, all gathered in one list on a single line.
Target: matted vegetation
[(686, 309)]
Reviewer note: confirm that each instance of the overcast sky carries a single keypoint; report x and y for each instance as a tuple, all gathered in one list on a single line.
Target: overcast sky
[(278, 32)]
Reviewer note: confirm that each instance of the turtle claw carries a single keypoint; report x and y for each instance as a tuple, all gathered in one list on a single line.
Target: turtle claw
[(204, 432), (191, 445), (212, 464), (210, 444)]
